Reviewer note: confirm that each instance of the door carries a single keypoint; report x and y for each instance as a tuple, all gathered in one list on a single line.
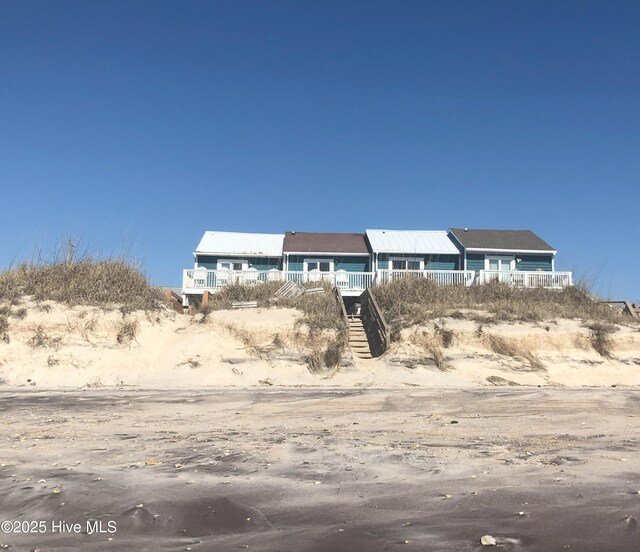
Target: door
[(318, 269), (231, 270), (500, 268)]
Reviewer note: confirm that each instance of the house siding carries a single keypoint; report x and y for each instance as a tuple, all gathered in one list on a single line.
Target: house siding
[(431, 262), (534, 262), (350, 264), (259, 263), (475, 261), (441, 262)]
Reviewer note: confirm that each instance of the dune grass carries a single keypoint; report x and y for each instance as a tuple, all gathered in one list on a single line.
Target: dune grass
[(86, 282), (320, 311), (411, 301)]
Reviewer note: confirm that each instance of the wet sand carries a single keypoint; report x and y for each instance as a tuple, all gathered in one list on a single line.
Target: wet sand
[(322, 470)]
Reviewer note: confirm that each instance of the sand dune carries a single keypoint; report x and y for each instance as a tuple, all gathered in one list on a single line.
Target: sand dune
[(58, 346)]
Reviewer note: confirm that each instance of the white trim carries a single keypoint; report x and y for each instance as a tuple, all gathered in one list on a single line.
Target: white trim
[(238, 253), (412, 259), (327, 253), (306, 262), (514, 251), (510, 258)]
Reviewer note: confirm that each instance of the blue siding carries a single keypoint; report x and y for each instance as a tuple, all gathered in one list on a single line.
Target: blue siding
[(441, 262), (431, 262), (475, 261), (259, 263), (534, 262), (350, 264), (207, 261), (265, 263), (296, 263)]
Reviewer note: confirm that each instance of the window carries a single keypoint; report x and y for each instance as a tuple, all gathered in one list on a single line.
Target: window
[(318, 265), (233, 264), (406, 263), (499, 264)]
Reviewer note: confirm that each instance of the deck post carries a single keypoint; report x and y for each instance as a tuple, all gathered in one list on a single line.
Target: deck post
[(205, 297)]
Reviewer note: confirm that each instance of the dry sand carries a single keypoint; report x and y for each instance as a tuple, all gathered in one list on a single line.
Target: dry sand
[(323, 470), (78, 347), (399, 453)]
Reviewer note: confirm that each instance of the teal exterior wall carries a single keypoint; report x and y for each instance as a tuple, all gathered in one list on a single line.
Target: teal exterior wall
[(352, 264), (475, 261), (534, 262), (259, 263), (296, 263), (442, 262), (431, 262), (348, 263), (207, 261)]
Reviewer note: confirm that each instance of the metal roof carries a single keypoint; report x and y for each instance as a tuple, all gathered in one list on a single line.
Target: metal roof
[(240, 243), (516, 240), (316, 242), (434, 242)]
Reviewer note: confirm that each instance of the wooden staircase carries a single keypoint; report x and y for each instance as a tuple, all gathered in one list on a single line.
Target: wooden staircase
[(625, 307), (358, 338)]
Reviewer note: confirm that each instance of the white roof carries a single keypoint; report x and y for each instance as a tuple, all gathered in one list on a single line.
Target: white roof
[(435, 242), (240, 243)]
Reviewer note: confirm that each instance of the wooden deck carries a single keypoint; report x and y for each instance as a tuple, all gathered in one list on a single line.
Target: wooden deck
[(352, 284)]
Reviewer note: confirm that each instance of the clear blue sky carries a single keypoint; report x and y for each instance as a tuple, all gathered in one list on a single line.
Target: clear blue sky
[(146, 123)]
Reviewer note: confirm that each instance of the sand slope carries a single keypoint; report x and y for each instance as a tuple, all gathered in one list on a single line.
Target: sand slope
[(58, 346)]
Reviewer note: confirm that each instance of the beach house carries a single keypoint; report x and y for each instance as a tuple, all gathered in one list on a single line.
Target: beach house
[(340, 258), (421, 253), (354, 262), (515, 257), (223, 258)]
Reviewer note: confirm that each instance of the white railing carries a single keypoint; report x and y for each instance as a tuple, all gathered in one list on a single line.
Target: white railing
[(343, 280), (201, 278), (441, 277), (521, 278)]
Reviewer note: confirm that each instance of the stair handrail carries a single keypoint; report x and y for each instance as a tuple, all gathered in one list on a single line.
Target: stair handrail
[(345, 317), (375, 326)]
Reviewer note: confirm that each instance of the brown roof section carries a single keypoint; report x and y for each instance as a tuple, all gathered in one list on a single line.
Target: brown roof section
[(313, 242), (524, 240)]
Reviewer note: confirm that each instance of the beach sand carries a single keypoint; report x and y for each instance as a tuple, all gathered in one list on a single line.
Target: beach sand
[(58, 346), (215, 436), (323, 470)]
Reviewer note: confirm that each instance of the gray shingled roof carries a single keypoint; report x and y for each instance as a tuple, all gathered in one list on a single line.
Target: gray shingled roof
[(316, 242), (516, 240)]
